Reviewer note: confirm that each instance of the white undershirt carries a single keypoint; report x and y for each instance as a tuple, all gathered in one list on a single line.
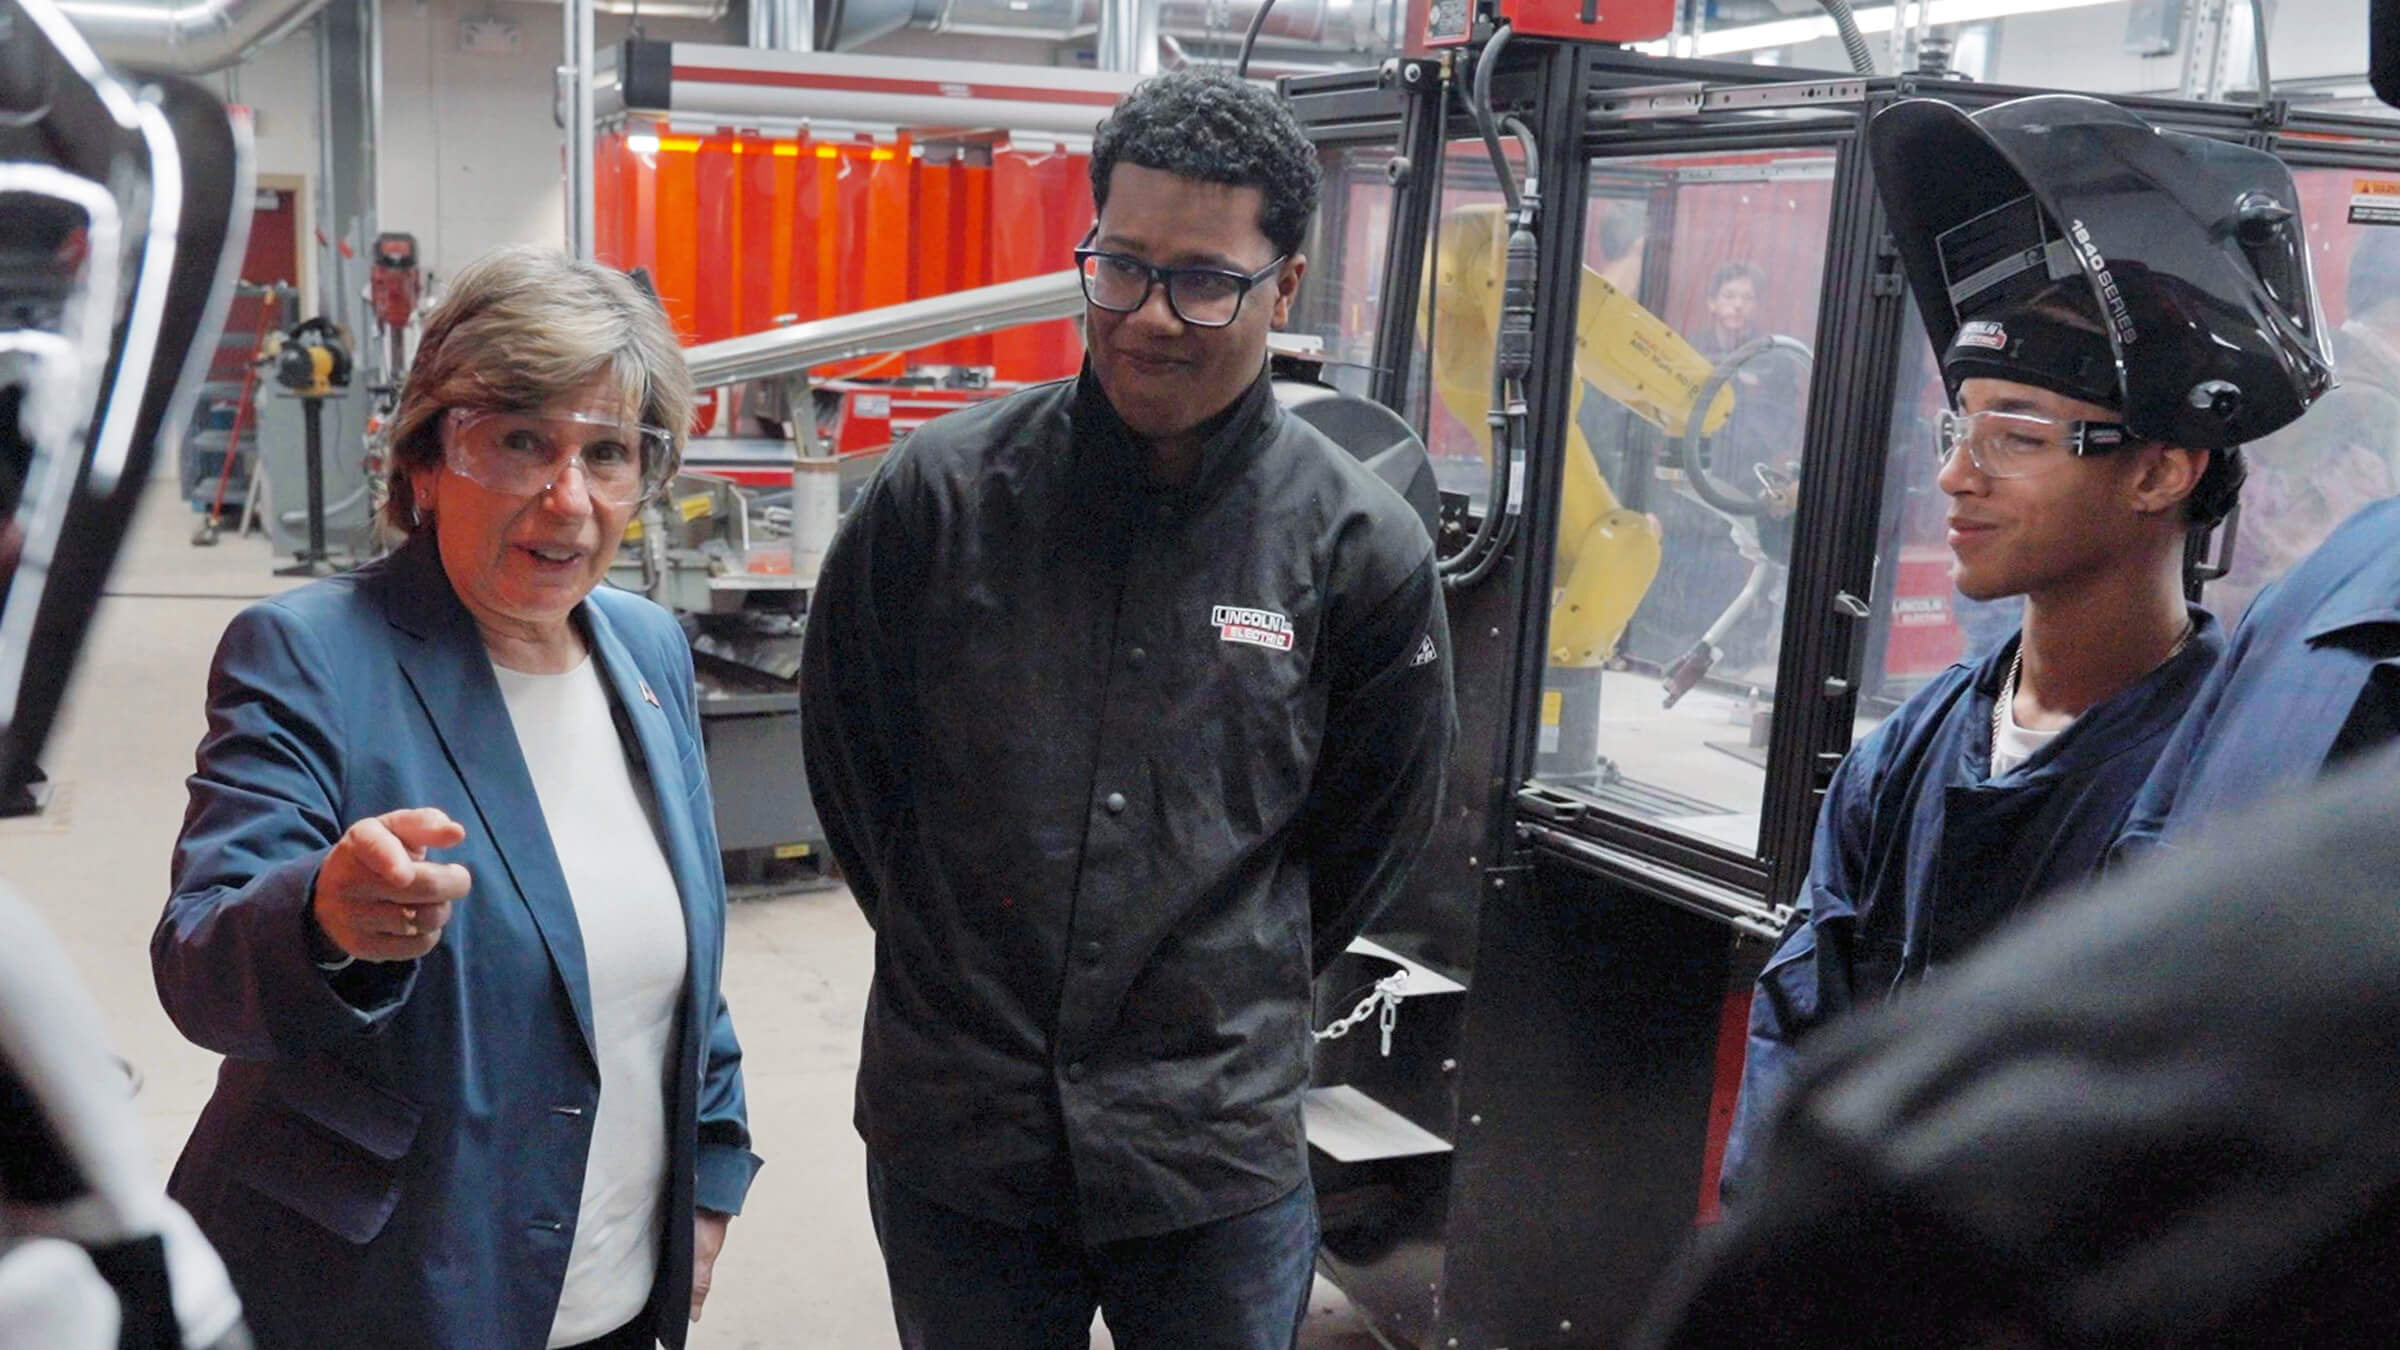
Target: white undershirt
[(2015, 744), (634, 951)]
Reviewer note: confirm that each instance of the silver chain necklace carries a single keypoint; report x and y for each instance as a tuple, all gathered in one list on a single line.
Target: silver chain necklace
[(2016, 667)]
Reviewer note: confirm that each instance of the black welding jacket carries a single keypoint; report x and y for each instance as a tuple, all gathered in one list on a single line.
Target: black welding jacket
[(1113, 771)]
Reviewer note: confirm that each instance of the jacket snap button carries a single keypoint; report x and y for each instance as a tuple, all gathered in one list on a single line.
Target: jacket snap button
[(1115, 803), (1137, 658), (1075, 1072)]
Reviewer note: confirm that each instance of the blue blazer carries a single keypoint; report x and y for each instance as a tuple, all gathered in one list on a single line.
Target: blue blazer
[(2312, 678), (394, 1155)]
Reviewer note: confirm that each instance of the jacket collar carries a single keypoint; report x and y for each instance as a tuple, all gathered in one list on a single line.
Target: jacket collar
[(2148, 705), (2370, 593), (1115, 461)]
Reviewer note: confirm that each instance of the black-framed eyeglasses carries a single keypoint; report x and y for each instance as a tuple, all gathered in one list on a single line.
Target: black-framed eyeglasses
[(1204, 297)]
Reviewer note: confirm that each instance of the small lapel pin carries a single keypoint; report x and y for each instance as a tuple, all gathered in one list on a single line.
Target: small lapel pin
[(647, 696)]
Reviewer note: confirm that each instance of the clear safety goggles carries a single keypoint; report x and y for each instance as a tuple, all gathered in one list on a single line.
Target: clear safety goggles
[(2013, 445), (523, 454)]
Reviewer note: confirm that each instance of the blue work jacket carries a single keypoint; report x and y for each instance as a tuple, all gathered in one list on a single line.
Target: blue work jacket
[(1920, 852), (394, 1155), (2312, 676)]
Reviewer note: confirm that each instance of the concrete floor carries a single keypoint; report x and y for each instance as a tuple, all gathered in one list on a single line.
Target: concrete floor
[(801, 1267)]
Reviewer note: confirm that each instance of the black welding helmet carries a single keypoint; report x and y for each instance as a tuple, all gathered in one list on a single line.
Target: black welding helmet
[(124, 206), (2192, 249)]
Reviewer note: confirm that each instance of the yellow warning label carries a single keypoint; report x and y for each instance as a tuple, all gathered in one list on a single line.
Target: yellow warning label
[(793, 850), (1554, 706), (2374, 201)]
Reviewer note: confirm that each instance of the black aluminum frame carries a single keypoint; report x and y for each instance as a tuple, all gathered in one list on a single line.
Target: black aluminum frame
[(1575, 1077)]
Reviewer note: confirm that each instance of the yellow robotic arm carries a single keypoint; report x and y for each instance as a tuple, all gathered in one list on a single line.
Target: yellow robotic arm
[(1607, 555)]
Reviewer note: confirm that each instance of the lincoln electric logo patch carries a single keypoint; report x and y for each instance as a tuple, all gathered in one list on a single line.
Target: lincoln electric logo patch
[(1983, 333), (1258, 627)]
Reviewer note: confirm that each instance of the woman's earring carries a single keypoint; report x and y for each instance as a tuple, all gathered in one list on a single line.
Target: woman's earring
[(416, 512)]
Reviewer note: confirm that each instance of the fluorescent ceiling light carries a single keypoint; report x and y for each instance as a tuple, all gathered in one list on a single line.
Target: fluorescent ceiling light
[(1792, 32)]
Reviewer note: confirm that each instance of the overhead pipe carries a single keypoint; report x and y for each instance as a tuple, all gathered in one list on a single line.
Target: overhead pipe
[(582, 196), (1128, 39), (1264, 64), (197, 37), (892, 328), (185, 37), (1346, 25), (699, 82), (700, 11)]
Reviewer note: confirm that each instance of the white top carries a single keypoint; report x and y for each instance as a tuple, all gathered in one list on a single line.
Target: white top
[(634, 948), (2015, 744)]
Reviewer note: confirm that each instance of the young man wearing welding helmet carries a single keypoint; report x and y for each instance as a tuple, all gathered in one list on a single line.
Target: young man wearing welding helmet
[(2117, 310)]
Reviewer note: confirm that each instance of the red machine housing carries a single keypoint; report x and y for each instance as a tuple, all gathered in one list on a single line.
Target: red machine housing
[(1451, 23)]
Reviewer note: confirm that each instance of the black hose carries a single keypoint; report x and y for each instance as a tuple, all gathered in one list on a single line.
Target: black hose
[(1704, 484), (1507, 516), (1258, 21), (1496, 498), (1515, 126), (1512, 361), (1861, 60), (1480, 105), (1489, 539), (1512, 341)]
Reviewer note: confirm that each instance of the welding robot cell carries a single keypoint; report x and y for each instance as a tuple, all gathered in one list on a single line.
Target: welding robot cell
[(1126, 702), (2117, 310)]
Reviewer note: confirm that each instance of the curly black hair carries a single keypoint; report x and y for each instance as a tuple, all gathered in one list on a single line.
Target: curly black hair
[(1214, 128)]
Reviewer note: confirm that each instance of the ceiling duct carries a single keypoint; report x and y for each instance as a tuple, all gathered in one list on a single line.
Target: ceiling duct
[(1330, 25), (698, 11), (188, 37)]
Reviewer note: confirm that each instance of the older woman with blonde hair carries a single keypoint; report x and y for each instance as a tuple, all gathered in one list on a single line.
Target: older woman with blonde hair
[(448, 896)]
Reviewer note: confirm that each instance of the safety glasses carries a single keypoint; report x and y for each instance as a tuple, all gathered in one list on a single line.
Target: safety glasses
[(523, 454), (2013, 445)]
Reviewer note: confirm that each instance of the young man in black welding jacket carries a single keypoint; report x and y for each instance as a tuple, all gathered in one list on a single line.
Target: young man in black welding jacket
[(1126, 704)]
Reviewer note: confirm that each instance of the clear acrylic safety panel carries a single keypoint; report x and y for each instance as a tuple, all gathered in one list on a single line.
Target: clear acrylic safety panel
[(1341, 297), (1702, 280)]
